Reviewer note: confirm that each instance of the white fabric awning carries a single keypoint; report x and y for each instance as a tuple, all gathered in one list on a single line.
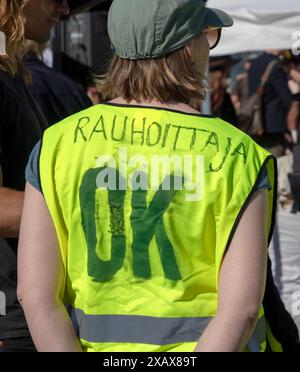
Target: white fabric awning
[(259, 25), (285, 255)]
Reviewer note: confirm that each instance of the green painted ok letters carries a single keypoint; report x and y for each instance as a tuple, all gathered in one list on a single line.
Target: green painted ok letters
[(146, 222)]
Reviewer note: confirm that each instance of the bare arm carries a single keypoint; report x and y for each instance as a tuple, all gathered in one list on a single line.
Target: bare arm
[(40, 276), (242, 282), (293, 116), (236, 102), (11, 205), (295, 75)]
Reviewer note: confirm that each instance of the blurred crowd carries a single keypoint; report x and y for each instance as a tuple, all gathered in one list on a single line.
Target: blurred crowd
[(260, 93)]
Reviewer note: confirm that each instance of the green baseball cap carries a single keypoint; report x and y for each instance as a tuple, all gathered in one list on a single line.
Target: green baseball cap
[(140, 29)]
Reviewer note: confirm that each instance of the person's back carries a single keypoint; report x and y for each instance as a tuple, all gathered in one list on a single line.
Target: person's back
[(277, 98), (57, 95), (161, 171)]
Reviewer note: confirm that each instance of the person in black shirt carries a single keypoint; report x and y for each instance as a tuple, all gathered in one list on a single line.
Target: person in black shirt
[(57, 95), (221, 102), (21, 126), (278, 101)]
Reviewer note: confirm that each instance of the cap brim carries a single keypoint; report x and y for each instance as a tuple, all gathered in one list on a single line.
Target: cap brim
[(217, 18)]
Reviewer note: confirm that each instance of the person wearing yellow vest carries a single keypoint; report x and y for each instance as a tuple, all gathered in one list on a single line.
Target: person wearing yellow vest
[(146, 224)]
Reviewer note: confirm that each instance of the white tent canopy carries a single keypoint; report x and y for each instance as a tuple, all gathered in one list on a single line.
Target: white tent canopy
[(259, 25)]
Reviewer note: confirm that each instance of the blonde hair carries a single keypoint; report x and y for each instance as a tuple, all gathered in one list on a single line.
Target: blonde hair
[(12, 23), (171, 78), (32, 47)]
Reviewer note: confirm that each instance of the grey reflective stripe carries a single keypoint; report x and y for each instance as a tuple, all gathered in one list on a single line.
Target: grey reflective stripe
[(258, 337), (137, 329), (149, 330)]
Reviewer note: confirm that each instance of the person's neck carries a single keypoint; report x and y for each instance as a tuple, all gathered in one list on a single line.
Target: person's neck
[(273, 52), (153, 103)]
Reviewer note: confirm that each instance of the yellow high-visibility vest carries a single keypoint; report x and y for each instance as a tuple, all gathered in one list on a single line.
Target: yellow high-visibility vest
[(145, 203)]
